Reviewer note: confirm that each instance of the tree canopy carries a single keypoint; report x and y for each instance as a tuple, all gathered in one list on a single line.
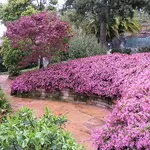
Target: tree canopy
[(14, 9), (40, 34), (105, 10)]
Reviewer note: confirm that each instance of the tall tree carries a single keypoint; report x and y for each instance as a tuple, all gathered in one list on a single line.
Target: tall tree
[(14, 9), (39, 35), (104, 10)]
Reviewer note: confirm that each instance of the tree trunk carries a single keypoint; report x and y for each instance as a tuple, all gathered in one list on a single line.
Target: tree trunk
[(103, 41), (40, 62)]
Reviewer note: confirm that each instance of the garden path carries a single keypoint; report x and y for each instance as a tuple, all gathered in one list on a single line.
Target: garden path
[(81, 118)]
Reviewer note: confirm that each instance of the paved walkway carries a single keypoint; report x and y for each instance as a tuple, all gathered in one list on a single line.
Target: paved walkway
[(81, 118)]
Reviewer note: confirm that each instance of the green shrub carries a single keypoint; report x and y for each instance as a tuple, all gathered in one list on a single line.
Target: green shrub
[(2, 67), (122, 51), (10, 57), (24, 132), (144, 49), (60, 56), (4, 105), (83, 45)]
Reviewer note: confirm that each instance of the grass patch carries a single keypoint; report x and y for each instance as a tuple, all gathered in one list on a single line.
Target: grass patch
[(27, 70), (22, 71)]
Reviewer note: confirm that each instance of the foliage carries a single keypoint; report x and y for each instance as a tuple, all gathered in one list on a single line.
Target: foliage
[(128, 125), (90, 24), (4, 105), (14, 9), (29, 11), (24, 132), (144, 49), (72, 18), (117, 26), (2, 67), (105, 10), (45, 4), (41, 34), (82, 45), (122, 51), (100, 75), (124, 76), (10, 57)]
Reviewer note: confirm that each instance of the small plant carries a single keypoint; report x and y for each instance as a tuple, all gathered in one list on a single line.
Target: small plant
[(144, 49), (24, 132), (2, 67), (122, 51), (4, 105)]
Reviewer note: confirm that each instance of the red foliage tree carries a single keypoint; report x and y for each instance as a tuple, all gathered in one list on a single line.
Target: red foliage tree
[(41, 34)]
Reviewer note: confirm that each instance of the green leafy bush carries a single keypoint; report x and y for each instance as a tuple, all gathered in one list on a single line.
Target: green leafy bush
[(83, 45), (10, 57), (122, 51), (4, 105), (144, 49), (61, 56), (24, 132), (2, 67)]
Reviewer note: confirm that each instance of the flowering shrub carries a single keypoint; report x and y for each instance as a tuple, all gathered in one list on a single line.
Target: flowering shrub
[(128, 126), (105, 75), (124, 76)]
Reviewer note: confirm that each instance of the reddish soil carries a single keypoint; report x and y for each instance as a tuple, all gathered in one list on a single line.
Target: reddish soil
[(81, 118)]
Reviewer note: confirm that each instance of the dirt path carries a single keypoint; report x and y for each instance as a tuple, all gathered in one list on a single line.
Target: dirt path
[(82, 118)]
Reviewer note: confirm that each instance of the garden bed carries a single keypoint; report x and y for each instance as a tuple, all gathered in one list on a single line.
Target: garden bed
[(126, 77)]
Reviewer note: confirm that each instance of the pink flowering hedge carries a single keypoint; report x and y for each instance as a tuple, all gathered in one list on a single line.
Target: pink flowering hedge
[(124, 76)]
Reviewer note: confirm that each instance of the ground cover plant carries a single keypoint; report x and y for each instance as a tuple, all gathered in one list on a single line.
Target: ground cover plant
[(116, 75), (23, 131)]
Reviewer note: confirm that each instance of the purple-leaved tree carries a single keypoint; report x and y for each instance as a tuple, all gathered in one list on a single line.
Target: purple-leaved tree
[(38, 35)]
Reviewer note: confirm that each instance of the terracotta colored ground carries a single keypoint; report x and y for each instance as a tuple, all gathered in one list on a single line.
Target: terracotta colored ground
[(82, 118)]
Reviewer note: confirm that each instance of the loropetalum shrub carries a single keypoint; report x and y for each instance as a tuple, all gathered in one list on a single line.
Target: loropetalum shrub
[(101, 75), (23, 131), (121, 75)]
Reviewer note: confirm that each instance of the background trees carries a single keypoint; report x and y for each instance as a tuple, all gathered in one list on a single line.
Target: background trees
[(105, 10), (14, 9)]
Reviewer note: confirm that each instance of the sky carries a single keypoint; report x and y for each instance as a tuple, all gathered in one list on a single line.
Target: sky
[(3, 28)]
